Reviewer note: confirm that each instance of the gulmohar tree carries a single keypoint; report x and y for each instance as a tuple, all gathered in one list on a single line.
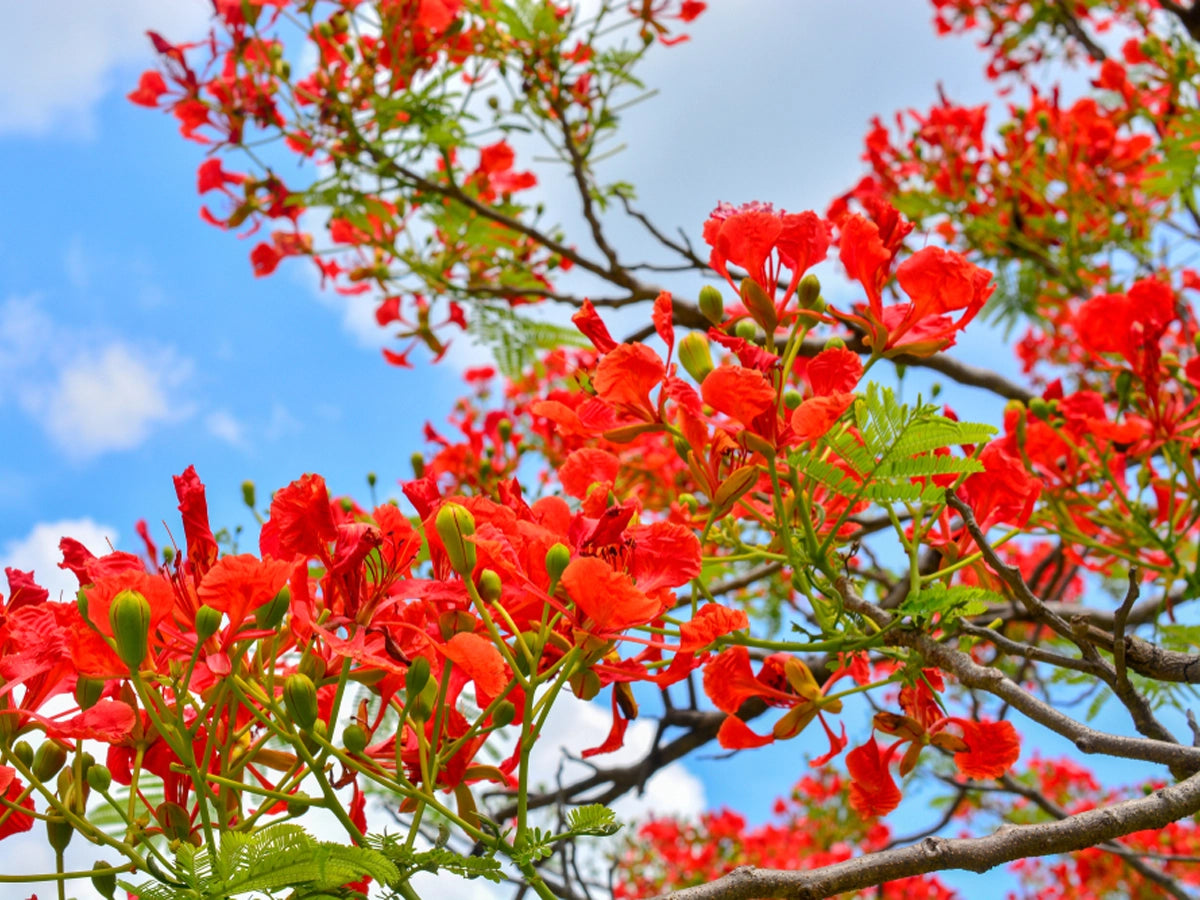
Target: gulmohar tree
[(721, 517)]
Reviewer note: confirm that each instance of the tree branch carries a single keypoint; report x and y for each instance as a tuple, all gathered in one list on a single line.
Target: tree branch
[(1008, 843)]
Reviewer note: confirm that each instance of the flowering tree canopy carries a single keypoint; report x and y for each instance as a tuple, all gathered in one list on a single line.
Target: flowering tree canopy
[(730, 522)]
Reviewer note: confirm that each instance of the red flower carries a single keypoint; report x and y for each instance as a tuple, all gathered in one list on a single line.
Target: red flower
[(993, 749), (742, 394), (150, 87), (872, 790), (11, 821), (202, 547)]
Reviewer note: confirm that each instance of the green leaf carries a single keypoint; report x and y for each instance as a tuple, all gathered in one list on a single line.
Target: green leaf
[(437, 859), (278, 857), (594, 819), (948, 602)]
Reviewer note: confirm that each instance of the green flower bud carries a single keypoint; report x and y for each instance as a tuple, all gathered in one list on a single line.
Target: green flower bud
[(421, 708), (87, 691), (354, 739), (48, 760), (746, 329), (504, 430), (270, 614), (208, 622), (835, 343), (1040, 408), (416, 678), (712, 304), (309, 736), (99, 778), (558, 558), (689, 502), (695, 355), (1124, 383), (682, 448), (490, 586), (809, 292), (504, 714), (248, 493), (313, 666), (585, 684), (59, 832), (418, 464), (300, 698), (792, 398), (24, 753), (105, 884), (372, 479), (760, 306), (129, 616), (174, 821), (454, 524)]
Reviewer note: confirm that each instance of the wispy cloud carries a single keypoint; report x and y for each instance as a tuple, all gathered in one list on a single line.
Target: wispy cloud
[(38, 551), (57, 61)]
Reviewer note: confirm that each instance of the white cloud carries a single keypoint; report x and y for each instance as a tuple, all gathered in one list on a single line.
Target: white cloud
[(58, 59), (107, 400), (38, 551), (91, 393), (222, 425)]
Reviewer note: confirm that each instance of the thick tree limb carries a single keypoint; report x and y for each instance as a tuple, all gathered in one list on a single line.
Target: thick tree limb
[(1009, 843)]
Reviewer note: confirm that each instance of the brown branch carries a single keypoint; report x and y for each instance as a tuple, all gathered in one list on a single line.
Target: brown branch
[(1131, 857), (1008, 843), (1180, 759), (954, 369)]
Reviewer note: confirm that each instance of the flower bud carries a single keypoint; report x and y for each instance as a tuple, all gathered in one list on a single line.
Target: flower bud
[(87, 691), (835, 343), (746, 329), (682, 448), (300, 698), (808, 294), (208, 621), (416, 678), (454, 525), (354, 739), (689, 502), (58, 832), (1124, 383), (99, 778), (760, 306), (309, 736), (270, 614), (1040, 408), (504, 430), (174, 821), (105, 884), (421, 708), (585, 684), (418, 464), (48, 760), (712, 305), (129, 617), (248, 493), (792, 398), (504, 714), (490, 586), (558, 558), (24, 753), (695, 355)]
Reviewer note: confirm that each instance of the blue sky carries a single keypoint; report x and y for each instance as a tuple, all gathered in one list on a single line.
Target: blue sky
[(134, 340)]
